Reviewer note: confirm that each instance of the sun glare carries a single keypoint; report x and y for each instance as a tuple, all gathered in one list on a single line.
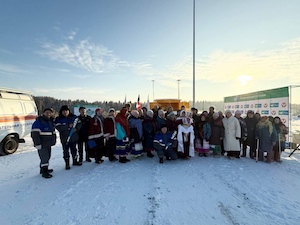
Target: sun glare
[(244, 79)]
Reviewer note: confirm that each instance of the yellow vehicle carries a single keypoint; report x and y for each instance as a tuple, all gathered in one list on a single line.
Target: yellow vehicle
[(164, 104)]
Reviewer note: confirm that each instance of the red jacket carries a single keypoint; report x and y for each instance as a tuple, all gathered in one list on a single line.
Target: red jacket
[(96, 128)]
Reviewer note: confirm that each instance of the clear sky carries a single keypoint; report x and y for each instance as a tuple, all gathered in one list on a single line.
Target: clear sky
[(106, 49)]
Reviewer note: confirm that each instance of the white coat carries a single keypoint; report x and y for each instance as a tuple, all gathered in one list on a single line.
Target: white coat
[(232, 131)]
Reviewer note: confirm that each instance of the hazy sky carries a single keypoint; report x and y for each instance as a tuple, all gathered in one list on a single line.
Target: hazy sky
[(106, 49)]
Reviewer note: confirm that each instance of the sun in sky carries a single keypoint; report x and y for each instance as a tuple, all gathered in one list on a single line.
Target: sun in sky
[(244, 79)]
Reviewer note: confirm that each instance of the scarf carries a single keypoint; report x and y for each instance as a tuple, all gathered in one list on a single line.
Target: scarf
[(267, 124), (122, 120)]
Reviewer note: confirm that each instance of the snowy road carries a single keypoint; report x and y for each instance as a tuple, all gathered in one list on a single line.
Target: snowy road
[(144, 192)]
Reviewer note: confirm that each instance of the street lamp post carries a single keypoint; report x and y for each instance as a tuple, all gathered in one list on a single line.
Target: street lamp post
[(153, 88), (178, 89), (194, 54)]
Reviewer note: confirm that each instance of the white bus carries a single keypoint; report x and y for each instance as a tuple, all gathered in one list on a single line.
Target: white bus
[(18, 111)]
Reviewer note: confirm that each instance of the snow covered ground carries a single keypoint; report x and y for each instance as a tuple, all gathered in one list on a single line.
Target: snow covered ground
[(143, 192)]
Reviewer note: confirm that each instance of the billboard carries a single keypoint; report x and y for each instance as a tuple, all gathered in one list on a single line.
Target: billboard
[(273, 102), (90, 109)]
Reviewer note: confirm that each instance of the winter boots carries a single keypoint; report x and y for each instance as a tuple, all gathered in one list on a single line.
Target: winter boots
[(123, 159), (76, 163), (161, 159), (269, 157), (67, 164), (149, 154), (45, 172), (87, 158), (49, 171)]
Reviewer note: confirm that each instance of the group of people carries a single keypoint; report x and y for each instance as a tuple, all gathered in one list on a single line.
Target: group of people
[(171, 134)]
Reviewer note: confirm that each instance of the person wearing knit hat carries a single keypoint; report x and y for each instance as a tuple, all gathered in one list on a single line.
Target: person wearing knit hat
[(163, 143), (48, 109), (43, 137), (64, 124)]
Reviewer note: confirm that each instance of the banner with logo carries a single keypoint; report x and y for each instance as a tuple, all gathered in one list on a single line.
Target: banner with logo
[(90, 109), (274, 102)]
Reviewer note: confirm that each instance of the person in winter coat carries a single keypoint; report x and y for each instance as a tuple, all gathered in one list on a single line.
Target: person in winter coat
[(123, 134), (267, 135), (251, 123), (83, 135), (203, 133), (160, 120), (68, 126), (136, 134), (96, 136), (185, 136), (171, 122), (282, 131), (43, 137), (163, 142), (244, 132), (217, 135), (232, 135), (110, 133), (149, 129)]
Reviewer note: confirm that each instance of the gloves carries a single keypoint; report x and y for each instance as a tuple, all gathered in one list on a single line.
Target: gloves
[(38, 147)]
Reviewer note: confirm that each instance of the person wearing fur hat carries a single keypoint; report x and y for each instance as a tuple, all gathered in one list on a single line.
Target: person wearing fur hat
[(123, 134), (163, 144), (110, 135), (232, 135), (217, 134), (43, 136), (64, 124), (96, 134), (267, 135), (136, 134)]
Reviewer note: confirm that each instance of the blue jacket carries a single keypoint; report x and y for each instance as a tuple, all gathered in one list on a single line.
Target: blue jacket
[(62, 125), (43, 132), (162, 140)]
